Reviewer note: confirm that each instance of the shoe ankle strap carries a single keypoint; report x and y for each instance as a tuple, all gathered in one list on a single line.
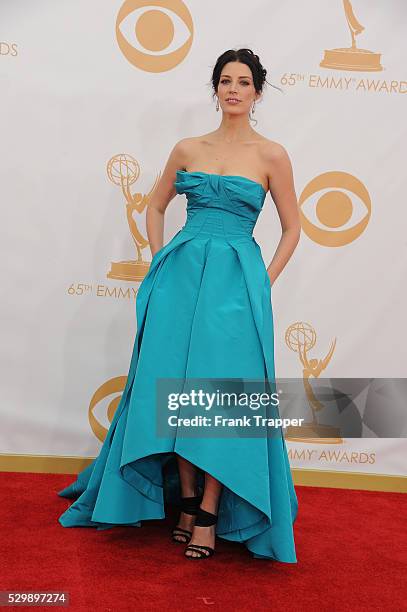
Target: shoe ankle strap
[(205, 518), (190, 505)]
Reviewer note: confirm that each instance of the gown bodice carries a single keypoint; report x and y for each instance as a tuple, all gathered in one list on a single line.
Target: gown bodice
[(219, 203)]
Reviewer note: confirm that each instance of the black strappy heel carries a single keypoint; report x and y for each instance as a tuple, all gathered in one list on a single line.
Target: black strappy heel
[(203, 519), (189, 505)]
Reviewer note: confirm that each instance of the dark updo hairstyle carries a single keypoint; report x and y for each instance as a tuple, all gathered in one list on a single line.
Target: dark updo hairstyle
[(245, 56)]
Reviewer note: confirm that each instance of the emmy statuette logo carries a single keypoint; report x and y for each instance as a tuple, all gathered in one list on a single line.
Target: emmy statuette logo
[(352, 58), (300, 337), (124, 170)]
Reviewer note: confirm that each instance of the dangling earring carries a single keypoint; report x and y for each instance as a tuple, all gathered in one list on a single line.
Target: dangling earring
[(251, 114), (217, 104)]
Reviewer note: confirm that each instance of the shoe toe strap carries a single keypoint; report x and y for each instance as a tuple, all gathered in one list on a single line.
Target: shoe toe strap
[(198, 547)]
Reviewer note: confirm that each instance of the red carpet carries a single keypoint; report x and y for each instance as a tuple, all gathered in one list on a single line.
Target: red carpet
[(351, 548)]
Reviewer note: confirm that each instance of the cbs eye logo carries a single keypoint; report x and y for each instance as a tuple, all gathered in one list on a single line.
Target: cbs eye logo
[(154, 36), (104, 403), (340, 210)]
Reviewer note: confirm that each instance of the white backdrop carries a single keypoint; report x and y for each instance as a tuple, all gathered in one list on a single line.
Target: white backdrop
[(73, 98)]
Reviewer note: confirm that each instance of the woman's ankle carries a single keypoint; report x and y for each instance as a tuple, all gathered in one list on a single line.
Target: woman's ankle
[(190, 492), (209, 507)]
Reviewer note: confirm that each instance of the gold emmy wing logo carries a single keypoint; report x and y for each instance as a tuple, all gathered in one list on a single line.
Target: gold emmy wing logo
[(124, 170), (352, 58), (155, 39), (334, 209), (114, 385), (301, 337)]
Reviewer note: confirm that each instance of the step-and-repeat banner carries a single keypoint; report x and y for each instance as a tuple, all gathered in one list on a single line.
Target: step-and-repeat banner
[(94, 95)]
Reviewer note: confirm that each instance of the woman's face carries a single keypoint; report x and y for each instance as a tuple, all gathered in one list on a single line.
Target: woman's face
[(236, 83)]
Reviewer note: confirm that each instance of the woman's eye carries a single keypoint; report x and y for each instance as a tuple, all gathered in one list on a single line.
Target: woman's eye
[(223, 81)]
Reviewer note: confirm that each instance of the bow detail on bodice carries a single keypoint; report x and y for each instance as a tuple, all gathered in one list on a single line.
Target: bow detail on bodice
[(233, 193)]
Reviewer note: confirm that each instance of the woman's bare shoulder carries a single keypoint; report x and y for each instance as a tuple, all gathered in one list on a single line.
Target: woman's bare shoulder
[(271, 150), (186, 148), (275, 159), (185, 145)]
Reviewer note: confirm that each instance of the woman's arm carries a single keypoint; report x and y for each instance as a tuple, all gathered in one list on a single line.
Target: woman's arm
[(162, 196), (283, 193)]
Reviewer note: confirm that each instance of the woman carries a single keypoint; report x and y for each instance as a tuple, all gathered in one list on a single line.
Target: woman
[(204, 310)]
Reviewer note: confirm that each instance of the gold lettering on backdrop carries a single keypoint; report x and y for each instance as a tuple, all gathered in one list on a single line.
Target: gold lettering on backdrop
[(329, 456), (9, 49), (302, 454)]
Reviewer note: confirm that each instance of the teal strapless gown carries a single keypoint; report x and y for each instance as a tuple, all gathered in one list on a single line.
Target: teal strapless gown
[(203, 310)]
